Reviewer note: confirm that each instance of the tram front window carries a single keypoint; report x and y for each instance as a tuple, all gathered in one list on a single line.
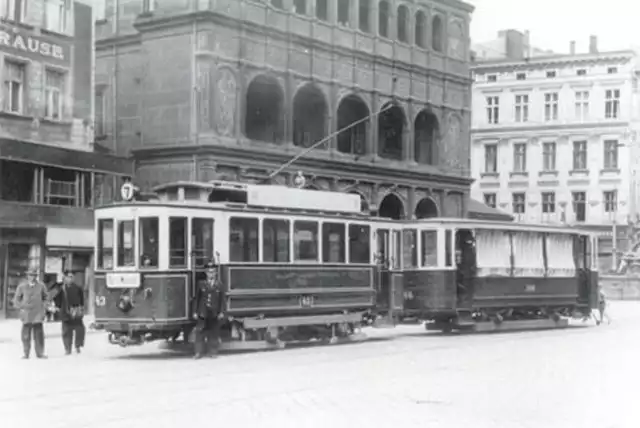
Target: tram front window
[(126, 243), (178, 234), (149, 242), (105, 244)]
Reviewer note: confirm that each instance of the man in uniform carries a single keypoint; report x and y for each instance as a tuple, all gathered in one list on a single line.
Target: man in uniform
[(31, 300), (208, 312)]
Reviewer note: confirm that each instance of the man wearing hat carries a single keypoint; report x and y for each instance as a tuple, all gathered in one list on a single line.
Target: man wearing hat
[(208, 312), (31, 299)]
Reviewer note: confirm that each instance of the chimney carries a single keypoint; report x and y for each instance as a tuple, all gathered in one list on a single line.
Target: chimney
[(593, 44), (527, 44), (572, 47)]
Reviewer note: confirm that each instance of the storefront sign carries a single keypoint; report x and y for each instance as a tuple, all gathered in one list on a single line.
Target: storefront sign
[(23, 42)]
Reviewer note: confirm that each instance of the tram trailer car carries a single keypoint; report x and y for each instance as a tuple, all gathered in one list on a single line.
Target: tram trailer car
[(296, 265), (467, 274)]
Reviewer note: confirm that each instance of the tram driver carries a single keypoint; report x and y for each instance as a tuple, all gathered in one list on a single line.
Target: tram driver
[(208, 313)]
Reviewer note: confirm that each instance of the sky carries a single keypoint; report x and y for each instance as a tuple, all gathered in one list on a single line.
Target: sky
[(553, 24)]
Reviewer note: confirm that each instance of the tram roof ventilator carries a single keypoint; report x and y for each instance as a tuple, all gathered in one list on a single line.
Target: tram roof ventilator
[(259, 195)]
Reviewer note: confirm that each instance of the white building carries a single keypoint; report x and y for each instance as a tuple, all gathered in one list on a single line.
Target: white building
[(553, 137)]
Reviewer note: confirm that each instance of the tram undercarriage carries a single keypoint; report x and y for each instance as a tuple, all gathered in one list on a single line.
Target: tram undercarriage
[(504, 319), (250, 334)]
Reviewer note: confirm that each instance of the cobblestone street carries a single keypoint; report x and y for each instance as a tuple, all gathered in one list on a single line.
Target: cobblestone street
[(580, 377)]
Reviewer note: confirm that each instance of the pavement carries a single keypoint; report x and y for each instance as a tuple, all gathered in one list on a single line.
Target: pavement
[(585, 377), (10, 329)]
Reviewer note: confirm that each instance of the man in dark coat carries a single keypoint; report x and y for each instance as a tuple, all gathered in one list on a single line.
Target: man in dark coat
[(31, 300), (208, 312), (70, 304)]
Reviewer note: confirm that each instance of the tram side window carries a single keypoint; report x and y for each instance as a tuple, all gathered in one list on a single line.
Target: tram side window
[(305, 240), (105, 244), (202, 241), (359, 244), (178, 235), (243, 239), (333, 242), (275, 241), (126, 243), (448, 248), (409, 248), (148, 232), (429, 250)]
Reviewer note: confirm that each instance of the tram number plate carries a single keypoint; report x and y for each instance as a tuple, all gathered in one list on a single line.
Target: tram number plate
[(306, 301), (530, 288)]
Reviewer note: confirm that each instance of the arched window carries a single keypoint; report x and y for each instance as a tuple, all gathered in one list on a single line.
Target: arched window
[(421, 29), (403, 23)]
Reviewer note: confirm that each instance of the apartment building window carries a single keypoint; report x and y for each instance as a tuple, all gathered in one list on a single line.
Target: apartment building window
[(14, 10), (521, 76), (611, 154), (520, 157), (322, 10), (549, 156), (612, 103), (53, 94), (491, 158), (522, 108), (490, 200), (610, 201), (518, 200), (149, 6), (343, 12), (100, 113), (14, 82), (551, 106), (492, 78), (579, 200), (612, 70), (551, 74), (582, 105), (579, 155), (55, 15), (581, 72), (548, 202), (493, 110)]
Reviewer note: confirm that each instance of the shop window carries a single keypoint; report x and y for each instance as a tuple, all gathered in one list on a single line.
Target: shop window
[(305, 240), (126, 243), (202, 241), (243, 239), (275, 241), (178, 235), (429, 248), (409, 248), (17, 182), (333, 242), (105, 244), (359, 244), (149, 242)]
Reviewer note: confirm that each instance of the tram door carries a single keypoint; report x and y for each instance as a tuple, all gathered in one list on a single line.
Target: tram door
[(390, 286)]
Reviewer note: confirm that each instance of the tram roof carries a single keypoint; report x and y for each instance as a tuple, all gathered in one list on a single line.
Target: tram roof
[(260, 195), (505, 225)]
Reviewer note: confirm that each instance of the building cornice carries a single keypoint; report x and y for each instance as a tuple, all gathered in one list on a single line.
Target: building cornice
[(273, 159), (545, 128), (545, 62)]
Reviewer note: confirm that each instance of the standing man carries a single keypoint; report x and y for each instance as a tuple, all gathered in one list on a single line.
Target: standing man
[(208, 312), (70, 304), (31, 300)]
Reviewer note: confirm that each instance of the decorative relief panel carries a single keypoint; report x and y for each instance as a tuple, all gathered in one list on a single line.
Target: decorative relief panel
[(453, 153), (364, 75), (276, 55), (227, 98), (322, 65), (455, 97), (419, 88), (435, 92), (255, 51), (301, 60), (456, 39), (453, 205), (403, 86), (205, 74), (344, 71)]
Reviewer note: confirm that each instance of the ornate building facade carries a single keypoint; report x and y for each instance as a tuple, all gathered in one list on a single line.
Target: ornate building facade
[(233, 89)]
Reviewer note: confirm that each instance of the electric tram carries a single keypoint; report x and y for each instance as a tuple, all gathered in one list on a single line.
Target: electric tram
[(301, 265)]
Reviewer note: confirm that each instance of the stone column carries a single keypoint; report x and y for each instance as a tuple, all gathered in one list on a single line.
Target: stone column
[(411, 203), (287, 109), (332, 5), (241, 101), (374, 17), (409, 152), (372, 143)]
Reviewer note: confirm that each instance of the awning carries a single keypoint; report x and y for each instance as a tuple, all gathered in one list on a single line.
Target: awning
[(64, 158), (69, 237), (478, 210)]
